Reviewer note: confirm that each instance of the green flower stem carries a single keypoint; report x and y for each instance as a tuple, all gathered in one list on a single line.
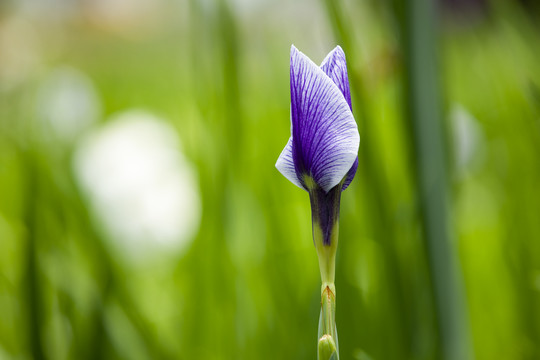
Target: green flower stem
[(326, 254), (327, 344), (325, 220)]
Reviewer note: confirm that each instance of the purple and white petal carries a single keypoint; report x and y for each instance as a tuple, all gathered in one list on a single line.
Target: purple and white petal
[(325, 136), (350, 175), (335, 66), (285, 165)]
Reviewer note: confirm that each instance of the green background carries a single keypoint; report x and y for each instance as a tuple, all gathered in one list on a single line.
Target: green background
[(246, 285)]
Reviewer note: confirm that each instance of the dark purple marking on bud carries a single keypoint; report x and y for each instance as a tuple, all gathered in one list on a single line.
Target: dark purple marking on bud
[(325, 210)]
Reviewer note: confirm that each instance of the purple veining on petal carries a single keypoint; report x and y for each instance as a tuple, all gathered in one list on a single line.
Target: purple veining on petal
[(325, 137), (335, 66)]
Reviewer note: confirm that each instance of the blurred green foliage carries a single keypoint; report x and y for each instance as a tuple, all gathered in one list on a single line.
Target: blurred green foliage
[(247, 286)]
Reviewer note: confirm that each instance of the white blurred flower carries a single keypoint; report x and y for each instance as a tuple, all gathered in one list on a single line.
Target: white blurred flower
[(68, 102), (140, 186)]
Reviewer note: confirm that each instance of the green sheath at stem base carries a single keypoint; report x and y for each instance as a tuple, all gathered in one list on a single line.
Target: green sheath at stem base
[(328, 344), (328, 347)]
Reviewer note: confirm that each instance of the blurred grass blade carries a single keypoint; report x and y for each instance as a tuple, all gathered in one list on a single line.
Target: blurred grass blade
[(34, 292), (424, 104)]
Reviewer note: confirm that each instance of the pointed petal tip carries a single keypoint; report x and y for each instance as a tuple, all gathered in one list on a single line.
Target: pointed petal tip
[(335, 66), (294, 50), (297, 55), (336, 52), (338, 49)]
